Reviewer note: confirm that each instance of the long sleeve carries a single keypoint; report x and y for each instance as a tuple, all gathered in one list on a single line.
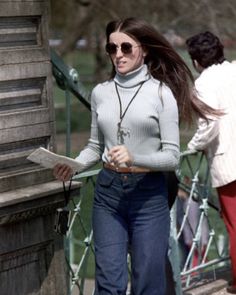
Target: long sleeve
[(151, 120), (166, 158), (92, 153), (206, 132), (216, 87)]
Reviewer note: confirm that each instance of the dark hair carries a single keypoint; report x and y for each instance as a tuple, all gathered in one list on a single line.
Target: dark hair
[(164, 64), (206, 49)]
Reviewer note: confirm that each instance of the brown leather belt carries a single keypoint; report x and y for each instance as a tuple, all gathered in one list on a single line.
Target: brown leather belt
[(132, 169)]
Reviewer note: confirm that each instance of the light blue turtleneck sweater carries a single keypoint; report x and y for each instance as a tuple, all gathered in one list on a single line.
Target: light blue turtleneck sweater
[(152, 121)]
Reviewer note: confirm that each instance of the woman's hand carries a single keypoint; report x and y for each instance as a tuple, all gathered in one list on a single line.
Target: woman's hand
[(120, 155), (62, 172)]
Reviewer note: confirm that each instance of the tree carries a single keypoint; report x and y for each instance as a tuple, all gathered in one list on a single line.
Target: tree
[(78, 19)]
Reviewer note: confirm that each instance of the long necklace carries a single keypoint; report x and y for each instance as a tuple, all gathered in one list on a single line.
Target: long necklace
[(121, 130)]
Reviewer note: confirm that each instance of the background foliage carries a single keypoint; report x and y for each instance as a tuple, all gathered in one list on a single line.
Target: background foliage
[(73, 20)]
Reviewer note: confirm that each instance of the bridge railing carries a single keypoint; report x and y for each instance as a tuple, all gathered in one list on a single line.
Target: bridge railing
[(197, 228)]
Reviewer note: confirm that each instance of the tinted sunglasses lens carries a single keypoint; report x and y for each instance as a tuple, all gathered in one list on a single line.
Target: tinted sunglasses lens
[(111, 48), (126, 47)]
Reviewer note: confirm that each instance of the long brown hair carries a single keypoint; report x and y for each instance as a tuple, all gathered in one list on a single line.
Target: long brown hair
[(164, 64)]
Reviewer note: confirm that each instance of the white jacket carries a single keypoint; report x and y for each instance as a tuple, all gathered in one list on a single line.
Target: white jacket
[(216, 86)]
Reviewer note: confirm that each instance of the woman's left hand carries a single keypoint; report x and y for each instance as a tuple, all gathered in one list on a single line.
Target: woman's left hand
[(62, 172), (120, 155)]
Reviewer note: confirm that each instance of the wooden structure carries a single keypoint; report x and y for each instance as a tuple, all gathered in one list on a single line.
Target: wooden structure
[(32, 259)]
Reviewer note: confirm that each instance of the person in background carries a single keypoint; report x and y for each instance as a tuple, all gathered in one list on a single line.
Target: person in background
[(216, 86), (135, 132)]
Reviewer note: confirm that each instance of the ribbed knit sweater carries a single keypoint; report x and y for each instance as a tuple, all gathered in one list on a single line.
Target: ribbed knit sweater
[(151, 119)]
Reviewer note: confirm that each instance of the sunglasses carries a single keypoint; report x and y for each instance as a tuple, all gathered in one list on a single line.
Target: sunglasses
[(125, 47)]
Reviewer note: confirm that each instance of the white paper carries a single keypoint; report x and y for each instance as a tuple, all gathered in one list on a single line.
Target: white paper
[(49, 159)]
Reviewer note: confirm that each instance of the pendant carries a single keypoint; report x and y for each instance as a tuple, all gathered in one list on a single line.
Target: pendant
[(122, 132)]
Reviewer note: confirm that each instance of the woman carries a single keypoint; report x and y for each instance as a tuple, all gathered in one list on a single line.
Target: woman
[(135, 132)]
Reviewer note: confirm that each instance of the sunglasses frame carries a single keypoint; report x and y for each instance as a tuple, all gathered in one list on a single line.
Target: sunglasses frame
[(122, 46)]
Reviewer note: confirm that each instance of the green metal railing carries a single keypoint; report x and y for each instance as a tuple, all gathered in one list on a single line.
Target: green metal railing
[(79, 267), (215, 254), (198, 189)]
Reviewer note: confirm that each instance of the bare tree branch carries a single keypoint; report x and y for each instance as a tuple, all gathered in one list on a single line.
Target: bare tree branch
[(82, 24)]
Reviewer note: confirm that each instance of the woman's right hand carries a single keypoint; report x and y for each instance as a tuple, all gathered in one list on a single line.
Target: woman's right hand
[(62, 172)]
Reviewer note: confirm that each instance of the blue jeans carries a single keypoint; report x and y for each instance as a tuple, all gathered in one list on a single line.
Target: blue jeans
[(130, 214)]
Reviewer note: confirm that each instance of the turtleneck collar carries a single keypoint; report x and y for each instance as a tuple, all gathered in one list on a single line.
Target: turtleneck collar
[(133, 78)]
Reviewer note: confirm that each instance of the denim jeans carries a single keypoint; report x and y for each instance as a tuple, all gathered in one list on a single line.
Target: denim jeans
[(130, 214)]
